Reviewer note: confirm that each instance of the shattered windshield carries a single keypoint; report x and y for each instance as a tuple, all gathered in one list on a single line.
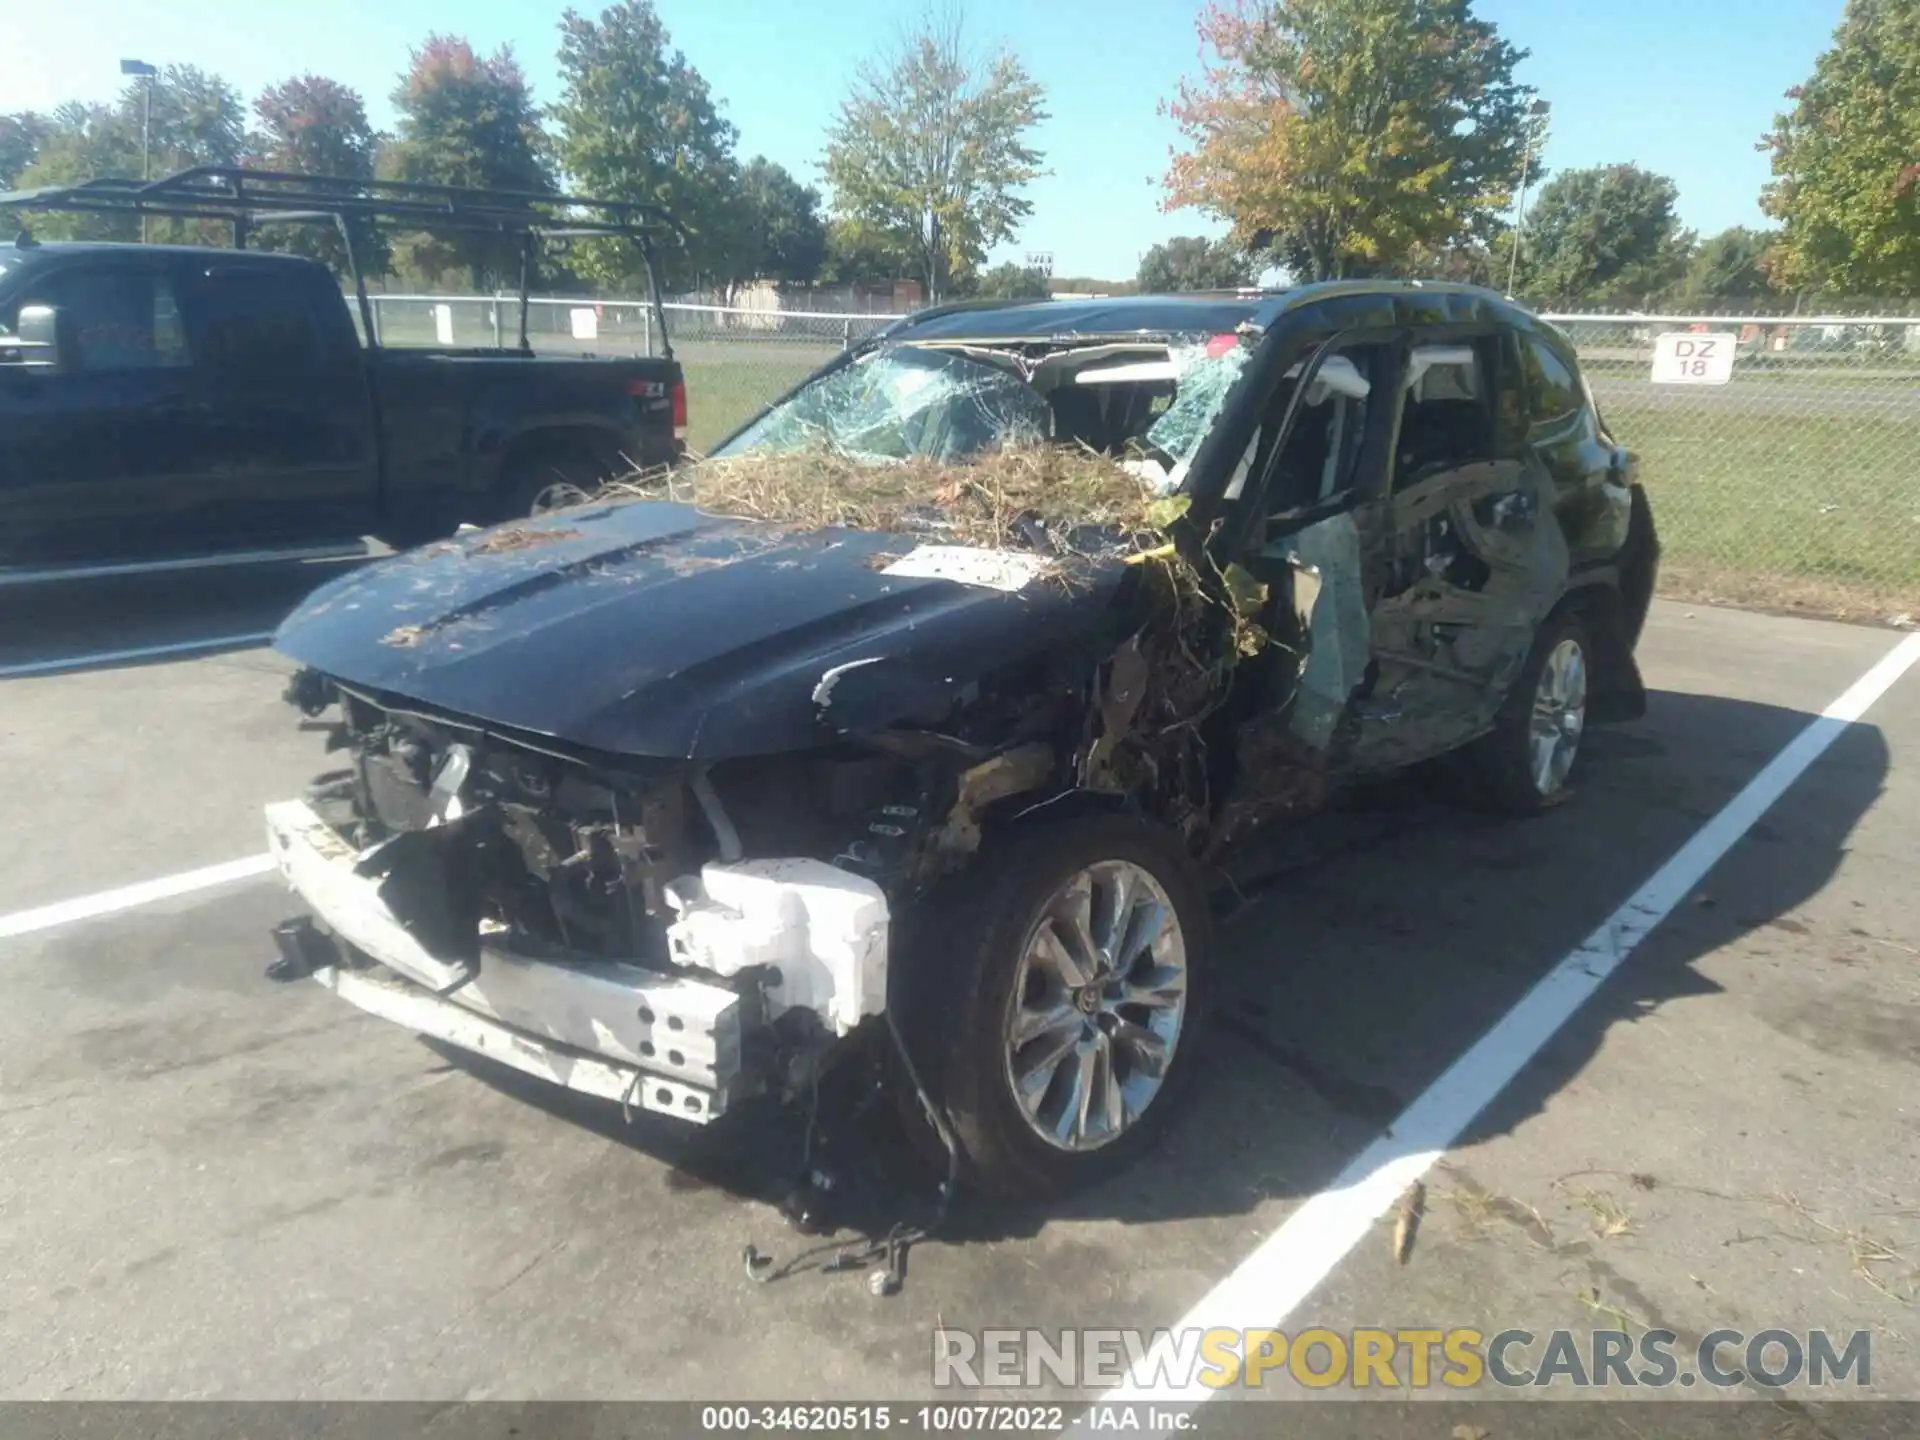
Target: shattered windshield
[(1147, 404), (904, 403)]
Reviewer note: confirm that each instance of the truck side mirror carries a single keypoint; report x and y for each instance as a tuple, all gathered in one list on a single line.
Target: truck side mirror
[(36, 338)]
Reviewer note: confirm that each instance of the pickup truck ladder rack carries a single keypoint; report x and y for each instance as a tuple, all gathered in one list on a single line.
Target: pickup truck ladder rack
[(247, 197)]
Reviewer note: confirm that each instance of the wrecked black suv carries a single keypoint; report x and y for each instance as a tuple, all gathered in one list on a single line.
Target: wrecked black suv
[(675, 802)]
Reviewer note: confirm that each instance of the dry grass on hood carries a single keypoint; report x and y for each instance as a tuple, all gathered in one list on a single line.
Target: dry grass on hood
[(1066, 501), (993, 500)]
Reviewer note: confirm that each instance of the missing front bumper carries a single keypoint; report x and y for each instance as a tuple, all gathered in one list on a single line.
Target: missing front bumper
[(664, 1043)]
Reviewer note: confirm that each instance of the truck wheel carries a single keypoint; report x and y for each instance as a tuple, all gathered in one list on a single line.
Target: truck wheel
[(1523, 763), (552, 479), (1063, 1000)]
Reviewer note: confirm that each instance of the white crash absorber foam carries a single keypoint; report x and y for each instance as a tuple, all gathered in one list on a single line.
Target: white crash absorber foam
[(823, 929)]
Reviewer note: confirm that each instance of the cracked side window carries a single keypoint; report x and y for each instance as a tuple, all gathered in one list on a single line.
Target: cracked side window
[(1205, 376)]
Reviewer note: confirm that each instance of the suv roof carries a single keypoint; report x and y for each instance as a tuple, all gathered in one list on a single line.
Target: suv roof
[(1198, 312)]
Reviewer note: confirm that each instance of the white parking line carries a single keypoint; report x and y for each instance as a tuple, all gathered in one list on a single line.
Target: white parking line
[(144, 652), (1267, 1286), (87, 907)]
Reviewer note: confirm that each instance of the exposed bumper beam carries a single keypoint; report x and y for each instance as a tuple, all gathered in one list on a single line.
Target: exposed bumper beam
[(408, 1005), (604, 1028)]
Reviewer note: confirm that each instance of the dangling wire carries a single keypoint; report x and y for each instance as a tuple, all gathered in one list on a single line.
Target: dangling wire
[(893, 1246)]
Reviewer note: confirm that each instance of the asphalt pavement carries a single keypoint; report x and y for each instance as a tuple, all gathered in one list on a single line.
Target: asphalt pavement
[(215, 1187)]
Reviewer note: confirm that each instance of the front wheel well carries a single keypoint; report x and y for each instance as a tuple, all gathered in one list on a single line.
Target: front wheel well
[(1617, 692), (960, 975), (579, 455)]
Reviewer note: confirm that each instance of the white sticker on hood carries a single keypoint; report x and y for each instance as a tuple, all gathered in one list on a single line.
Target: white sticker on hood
[(1007, 570)]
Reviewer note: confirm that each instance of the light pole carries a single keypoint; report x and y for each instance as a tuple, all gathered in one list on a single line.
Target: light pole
[(145, 72), (1535, 112)]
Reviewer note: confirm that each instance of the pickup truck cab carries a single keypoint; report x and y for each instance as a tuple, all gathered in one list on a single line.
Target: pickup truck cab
[(163, 406)]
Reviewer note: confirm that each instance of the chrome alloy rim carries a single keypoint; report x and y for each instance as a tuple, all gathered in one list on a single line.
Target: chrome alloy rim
[(1097, 1005), (1559, 715)]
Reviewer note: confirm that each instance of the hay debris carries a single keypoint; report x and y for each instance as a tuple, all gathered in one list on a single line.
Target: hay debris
[(1055, 497), (520, 537)]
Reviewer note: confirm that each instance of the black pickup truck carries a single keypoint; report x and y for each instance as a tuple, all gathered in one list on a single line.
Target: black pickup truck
[(166, 406)]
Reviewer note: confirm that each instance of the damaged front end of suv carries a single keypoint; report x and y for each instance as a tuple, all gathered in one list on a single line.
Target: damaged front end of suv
[(677, 934), (907, 720)]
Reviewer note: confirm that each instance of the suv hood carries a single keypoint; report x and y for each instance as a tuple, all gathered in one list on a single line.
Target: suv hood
[(650, 629)]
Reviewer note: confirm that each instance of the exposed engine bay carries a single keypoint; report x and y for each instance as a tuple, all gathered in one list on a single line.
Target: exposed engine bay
[(772, 879)]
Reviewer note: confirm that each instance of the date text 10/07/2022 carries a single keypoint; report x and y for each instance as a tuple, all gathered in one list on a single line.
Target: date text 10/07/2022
[(939, 1419)]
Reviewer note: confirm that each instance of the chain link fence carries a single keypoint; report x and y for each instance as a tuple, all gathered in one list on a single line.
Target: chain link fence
[(1793, 485)]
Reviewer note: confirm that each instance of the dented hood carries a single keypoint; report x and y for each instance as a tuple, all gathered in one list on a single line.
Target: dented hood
[(650, 629)]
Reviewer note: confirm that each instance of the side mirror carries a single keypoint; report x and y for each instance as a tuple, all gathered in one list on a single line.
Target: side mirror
[(36, 338)]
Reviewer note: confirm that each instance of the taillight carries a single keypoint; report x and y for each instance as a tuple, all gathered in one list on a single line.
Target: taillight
[(680, 409)]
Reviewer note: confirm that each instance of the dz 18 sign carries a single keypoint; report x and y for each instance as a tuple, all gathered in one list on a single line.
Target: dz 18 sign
[(1693, 359)]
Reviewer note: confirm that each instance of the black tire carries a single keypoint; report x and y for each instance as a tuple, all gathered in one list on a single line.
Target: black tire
[(1503, 760), (552, 477), (959, 1000)]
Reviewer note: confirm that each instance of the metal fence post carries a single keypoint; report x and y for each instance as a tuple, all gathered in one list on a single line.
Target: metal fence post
[(846, 334)]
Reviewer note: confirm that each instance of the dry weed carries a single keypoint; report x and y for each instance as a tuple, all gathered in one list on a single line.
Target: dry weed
[(1047, 496)]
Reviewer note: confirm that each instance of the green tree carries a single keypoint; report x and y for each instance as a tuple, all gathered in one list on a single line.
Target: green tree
[(1730, 266), (931, 150), (1466, 262), (197, 119), (1008, 281), (1846, 159), (82, 141), (1193, 262), (637, 122), (21, 137), (786, 238), (1089, 285), (858, 255), (1346, 134), (316, 126), (1605, 236), (465, 120)]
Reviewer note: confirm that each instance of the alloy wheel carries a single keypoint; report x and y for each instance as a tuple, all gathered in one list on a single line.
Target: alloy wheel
[(1559, 715), (1099, 999)]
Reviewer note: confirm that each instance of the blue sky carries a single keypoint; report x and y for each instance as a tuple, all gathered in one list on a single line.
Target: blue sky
[(1684, 87)]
